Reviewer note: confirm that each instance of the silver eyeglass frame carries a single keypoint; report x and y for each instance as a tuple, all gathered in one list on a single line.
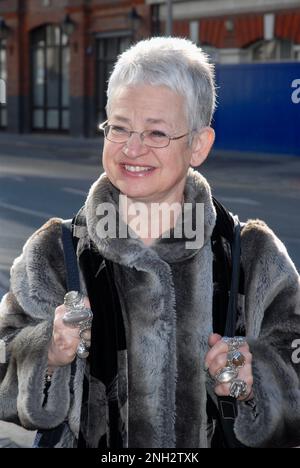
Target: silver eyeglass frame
[(104, 126)]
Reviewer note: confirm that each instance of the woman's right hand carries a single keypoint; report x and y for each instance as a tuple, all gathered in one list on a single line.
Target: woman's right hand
[(64, 341)]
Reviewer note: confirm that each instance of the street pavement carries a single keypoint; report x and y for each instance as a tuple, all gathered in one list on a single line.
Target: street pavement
[(43, 176)]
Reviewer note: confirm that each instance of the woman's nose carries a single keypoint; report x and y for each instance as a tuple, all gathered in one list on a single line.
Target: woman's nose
[(134, 146)]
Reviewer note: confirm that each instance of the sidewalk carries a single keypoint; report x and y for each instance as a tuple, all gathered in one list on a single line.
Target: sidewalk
[(54, 146)]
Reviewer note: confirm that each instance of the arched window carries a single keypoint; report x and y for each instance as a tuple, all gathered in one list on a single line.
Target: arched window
[(3, 80), (50, 79)]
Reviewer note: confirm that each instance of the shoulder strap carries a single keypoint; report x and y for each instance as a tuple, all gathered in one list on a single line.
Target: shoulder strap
[(230, 327), (229, 227), (73, 281), (72, 270), (224, 221)]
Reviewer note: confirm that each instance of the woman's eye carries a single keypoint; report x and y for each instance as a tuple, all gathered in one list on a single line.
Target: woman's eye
[(157, 134), (116, 129)]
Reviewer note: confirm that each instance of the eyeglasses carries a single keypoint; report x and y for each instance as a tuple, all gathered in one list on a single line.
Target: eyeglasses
[(151, 138)]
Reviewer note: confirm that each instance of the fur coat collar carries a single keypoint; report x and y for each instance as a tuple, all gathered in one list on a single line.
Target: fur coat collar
[(126, 252)]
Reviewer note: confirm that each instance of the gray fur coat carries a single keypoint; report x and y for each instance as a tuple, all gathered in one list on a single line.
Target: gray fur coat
[(166, 297)]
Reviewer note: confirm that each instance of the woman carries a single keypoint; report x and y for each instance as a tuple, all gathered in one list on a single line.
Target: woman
[(153, 355)]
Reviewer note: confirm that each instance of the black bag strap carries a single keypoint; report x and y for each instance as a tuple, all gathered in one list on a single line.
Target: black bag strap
[(229, 227), (72, 270), (230, 327), (71, 264)]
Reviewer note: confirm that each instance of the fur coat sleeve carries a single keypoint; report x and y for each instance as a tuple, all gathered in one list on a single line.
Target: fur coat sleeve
[(272, 316), (26, 318)]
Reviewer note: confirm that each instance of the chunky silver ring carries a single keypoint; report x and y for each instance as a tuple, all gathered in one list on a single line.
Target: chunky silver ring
[(238, 389), (235, 359), (226, 374), (74, 299), (83, 327), (82, 350), (77, 313), (78, 316), (74, 319), (234, 342)]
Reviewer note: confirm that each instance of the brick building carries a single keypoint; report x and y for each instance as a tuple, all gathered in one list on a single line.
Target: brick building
[(238, 31), (56, 55)]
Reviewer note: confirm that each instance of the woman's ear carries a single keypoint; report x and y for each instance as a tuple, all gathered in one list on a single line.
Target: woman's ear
[(201, 146)]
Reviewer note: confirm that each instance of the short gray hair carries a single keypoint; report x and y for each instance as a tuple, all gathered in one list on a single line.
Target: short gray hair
[(173, 62)]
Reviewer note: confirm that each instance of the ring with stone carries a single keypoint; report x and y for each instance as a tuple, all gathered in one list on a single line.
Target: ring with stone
[(226, 374), (74, 299), (235, 359), (234, 342), (77, 313), (78, 316), (84, 344), (84, 326), (82, 350), (238, 389)]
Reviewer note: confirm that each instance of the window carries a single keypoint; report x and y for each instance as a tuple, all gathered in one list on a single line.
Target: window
[(3, 78), (108, 48), (273, 50), (50, 79)]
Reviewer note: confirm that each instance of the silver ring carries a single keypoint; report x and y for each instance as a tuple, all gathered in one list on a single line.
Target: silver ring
[(77, 313), (84, 346), (83, 327), (74, 299), (82, 350), (226, 374), (234, 342), (238, 389), (78, 316), (235, 359)]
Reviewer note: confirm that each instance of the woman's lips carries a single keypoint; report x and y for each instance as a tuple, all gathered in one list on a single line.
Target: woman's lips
[(137, 170)]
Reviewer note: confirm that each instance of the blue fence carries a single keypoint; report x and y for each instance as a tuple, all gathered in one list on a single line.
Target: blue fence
[(256, 111)]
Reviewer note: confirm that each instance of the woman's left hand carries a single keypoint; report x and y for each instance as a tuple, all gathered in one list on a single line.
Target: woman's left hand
[(217, 358)]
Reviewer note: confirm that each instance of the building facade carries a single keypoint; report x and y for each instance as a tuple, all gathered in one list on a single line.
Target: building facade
[(238, 31), (56, 55)]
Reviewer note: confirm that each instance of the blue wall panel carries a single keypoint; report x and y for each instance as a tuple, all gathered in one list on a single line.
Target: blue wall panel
[(255, 109)]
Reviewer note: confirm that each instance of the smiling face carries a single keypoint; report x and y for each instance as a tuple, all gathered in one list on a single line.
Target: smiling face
[(152, 174)]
